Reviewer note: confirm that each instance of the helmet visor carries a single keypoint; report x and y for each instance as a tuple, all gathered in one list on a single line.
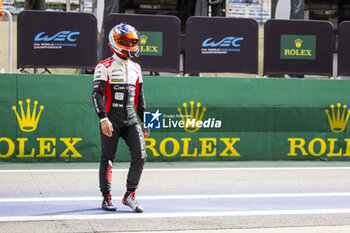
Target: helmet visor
[(129, 36), (128, 42)]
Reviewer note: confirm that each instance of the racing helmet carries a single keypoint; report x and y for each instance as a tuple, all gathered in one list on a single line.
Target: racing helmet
[(124, 40)]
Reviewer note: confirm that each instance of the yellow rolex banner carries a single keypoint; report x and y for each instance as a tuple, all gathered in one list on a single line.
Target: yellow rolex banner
[(298, 47), (151, 43), (51, 118), (45, 118)]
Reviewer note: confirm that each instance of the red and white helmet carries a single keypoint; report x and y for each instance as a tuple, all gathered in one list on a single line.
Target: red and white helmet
[(124, 40)]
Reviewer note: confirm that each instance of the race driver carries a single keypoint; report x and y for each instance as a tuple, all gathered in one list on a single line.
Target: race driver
[(117, 89)]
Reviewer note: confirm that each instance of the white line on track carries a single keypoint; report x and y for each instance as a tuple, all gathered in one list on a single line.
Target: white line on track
[(178, 169), (173, 215), (178, 197)]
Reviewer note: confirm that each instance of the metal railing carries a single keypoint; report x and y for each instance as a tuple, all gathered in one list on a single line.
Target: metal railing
[(10, 39)]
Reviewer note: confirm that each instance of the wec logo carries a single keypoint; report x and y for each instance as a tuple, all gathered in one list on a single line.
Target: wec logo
[(60, 36), (226, 42)]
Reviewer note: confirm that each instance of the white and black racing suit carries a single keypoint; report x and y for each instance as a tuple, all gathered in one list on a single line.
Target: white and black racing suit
[(117, 88)]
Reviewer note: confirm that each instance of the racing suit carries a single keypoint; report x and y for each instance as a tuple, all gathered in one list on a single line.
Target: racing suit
[(119, 80)]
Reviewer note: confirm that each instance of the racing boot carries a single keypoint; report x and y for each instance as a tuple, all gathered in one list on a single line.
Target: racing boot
[(107, 203), (129, 200)]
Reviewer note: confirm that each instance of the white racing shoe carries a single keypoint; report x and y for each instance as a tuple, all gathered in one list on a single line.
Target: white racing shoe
[(129, 200), (107, 203)]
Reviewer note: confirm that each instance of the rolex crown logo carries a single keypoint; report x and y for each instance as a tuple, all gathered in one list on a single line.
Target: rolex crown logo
[(190, 119), (29, 121), (143, 39), (338, 123), (298, 43)]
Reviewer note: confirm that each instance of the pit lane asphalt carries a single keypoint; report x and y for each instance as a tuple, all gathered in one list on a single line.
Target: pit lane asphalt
[(210, 196)]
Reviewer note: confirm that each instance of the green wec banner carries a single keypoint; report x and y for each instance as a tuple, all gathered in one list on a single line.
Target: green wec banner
[(51, 118)]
